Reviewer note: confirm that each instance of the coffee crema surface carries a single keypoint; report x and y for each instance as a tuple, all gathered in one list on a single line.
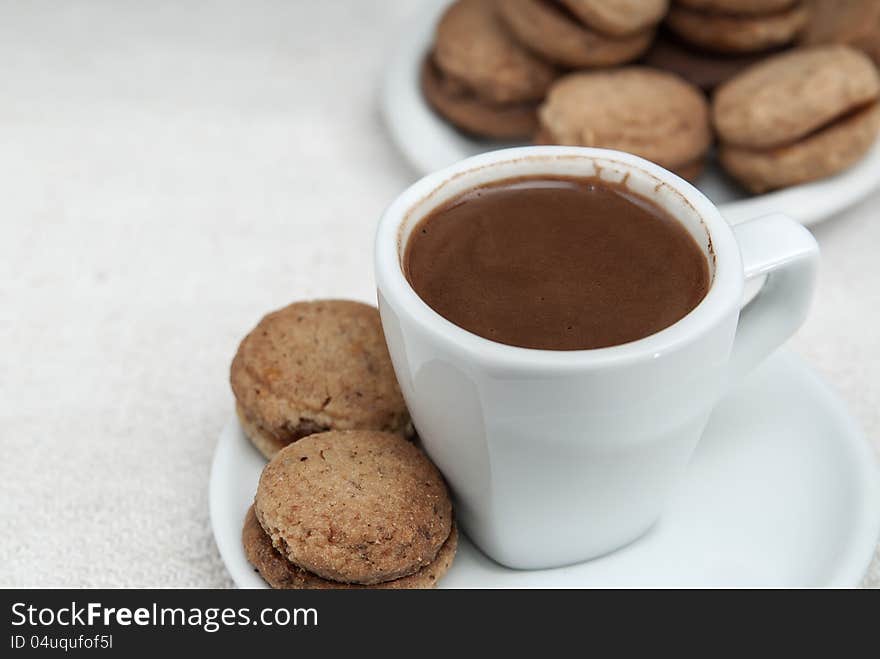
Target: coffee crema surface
[(556, 263)]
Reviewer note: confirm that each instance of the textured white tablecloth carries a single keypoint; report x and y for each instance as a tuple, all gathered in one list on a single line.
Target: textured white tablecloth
[(169, 171)]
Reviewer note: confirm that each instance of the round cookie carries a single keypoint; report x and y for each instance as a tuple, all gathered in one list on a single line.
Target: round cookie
[(852, 22), (650, 113), (547, 30), (739, 6), (280, 573), (470, 114), (354, 506), (618, 17), (793, 94), (473, 47), (821, 154), (730, 33), (315, 366)]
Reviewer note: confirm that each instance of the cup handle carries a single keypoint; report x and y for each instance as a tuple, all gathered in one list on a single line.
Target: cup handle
[(787, 253)]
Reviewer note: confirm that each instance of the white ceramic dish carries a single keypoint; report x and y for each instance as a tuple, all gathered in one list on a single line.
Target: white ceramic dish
[(429, 143), (783, 491)]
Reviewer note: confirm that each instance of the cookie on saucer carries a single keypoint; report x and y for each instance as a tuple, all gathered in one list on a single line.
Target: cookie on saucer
[(280, 573), (352, 507), (797, 117), (467, 112), (552, 31), (744, 32), (651, 113), (473, 48), (312, 367), (828, 152)]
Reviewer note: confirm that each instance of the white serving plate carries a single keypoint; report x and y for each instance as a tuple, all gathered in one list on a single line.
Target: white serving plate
[(428, 143), (783, 491)]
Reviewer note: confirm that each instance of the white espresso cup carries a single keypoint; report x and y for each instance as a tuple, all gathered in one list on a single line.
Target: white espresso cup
[(556, 457)]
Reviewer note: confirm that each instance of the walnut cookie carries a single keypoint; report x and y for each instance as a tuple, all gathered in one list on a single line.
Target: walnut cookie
[(618, 17), (280, 573), (554, 33), (315, 366), (468, 113), (796, 117), (650, 113), (355, 506), (473, 48), (738, 33)]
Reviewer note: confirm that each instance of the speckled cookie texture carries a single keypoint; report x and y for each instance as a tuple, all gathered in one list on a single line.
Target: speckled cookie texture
[(852, 22), (354, 506), (280, 573), (618, 17), (315, 366), (787, 96), (797, 117), (554, 34), (462, 108), (820, 155), (473, 47), (650, 113), (738, 33)]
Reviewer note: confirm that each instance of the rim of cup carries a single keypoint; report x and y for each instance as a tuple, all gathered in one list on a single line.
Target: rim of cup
[(678, 197)]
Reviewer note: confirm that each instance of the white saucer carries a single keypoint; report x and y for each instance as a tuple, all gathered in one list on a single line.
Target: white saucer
[(783, 491), (429, 143)]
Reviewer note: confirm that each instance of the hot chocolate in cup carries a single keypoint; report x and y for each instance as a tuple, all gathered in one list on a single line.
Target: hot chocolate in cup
[(557, 456)]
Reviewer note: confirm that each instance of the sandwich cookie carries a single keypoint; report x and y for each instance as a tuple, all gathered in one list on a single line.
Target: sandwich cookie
[(280, 573), (554, 32), (797, 117), (618, 18), (737, 32), (463, 109), (473, 48), (653, 114), (353, 507), (312, 367), (479, 78)]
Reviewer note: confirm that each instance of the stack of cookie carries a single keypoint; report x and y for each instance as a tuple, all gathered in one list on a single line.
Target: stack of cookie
[(584, 33), (350, 509), (493, 61), (347, 500), (503, 69), (709, 41), (479, 78), (798, 117), (737, 26)]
